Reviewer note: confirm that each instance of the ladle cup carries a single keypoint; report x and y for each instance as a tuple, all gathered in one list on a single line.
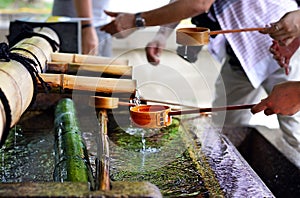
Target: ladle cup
[(200, 35), (158, 116)]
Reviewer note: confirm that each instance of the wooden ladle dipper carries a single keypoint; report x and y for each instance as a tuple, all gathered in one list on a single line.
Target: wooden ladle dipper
[(200, 35), (158, 116)]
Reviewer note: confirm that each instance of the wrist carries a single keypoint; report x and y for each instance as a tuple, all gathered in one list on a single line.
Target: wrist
[(86, 25)]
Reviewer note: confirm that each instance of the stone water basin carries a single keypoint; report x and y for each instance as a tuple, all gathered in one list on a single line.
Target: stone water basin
[(190, 158)]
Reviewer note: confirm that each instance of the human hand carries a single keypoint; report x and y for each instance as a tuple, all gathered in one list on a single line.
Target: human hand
[(90, 41), (286, 29), (283, 54), (284, 99), (122, 25), (154, 49)]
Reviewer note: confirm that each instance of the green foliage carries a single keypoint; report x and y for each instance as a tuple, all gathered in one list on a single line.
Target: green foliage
[(15, 4), (6, 3)]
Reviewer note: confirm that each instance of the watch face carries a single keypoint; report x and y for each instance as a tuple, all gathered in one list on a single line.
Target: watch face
[(139, 21)]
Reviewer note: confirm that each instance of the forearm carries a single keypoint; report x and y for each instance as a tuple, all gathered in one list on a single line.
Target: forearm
[(166, 30), (84, 10), (176, 11), (171, 13), (89, 35)]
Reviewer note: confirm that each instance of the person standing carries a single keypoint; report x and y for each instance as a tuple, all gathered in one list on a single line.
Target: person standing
[(285, 97), (94, 41), (249, 67)]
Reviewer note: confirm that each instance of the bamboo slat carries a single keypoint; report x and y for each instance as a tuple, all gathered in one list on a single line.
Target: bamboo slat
[(94, 84), (80, 58), (63, 67)]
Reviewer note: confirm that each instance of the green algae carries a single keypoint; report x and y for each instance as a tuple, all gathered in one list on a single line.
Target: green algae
[(171, 160), (71, 156)]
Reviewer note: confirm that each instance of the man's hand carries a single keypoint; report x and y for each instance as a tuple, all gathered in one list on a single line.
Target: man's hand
[(284, 100), (283, 54), (122, 26), (155, 48), (286, 29)]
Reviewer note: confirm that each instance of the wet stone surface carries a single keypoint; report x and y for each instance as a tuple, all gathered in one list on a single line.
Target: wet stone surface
[(235, 176)]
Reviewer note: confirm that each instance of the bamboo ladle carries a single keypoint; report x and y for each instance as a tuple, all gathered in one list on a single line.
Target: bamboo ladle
[(200, 35), (158, 116)]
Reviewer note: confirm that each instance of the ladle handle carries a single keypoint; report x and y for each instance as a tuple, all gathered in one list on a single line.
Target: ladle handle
[(236, 30), (203, 110)]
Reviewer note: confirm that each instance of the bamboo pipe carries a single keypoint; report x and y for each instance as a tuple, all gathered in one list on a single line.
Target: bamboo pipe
[(102, 161), (103, 85), (200, 36), (63, 67), (88, 59), (16, 82), (71, 156)]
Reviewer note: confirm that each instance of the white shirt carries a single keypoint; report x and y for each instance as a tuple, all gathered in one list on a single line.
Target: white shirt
[(251, 48), (100, 18)]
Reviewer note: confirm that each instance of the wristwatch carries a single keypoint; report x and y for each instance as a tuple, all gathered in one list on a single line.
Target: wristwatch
[(139, 21)]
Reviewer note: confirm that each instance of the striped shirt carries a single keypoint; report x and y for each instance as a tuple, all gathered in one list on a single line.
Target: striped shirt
[(252, 48)]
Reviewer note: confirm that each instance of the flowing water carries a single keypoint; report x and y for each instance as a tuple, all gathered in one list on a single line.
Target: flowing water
[(160, 156)]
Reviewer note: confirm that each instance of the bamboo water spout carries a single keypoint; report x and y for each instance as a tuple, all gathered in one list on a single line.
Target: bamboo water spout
[(17, 83)]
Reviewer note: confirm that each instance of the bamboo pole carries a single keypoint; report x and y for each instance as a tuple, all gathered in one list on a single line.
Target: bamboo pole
[(102, 161), (103, 155), (103, 85), (16, 83)]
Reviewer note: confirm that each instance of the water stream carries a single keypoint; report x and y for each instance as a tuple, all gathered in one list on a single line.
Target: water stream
[(160, 156)]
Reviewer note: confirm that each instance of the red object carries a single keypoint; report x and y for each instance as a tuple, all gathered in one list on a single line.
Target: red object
[(284, 53)]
